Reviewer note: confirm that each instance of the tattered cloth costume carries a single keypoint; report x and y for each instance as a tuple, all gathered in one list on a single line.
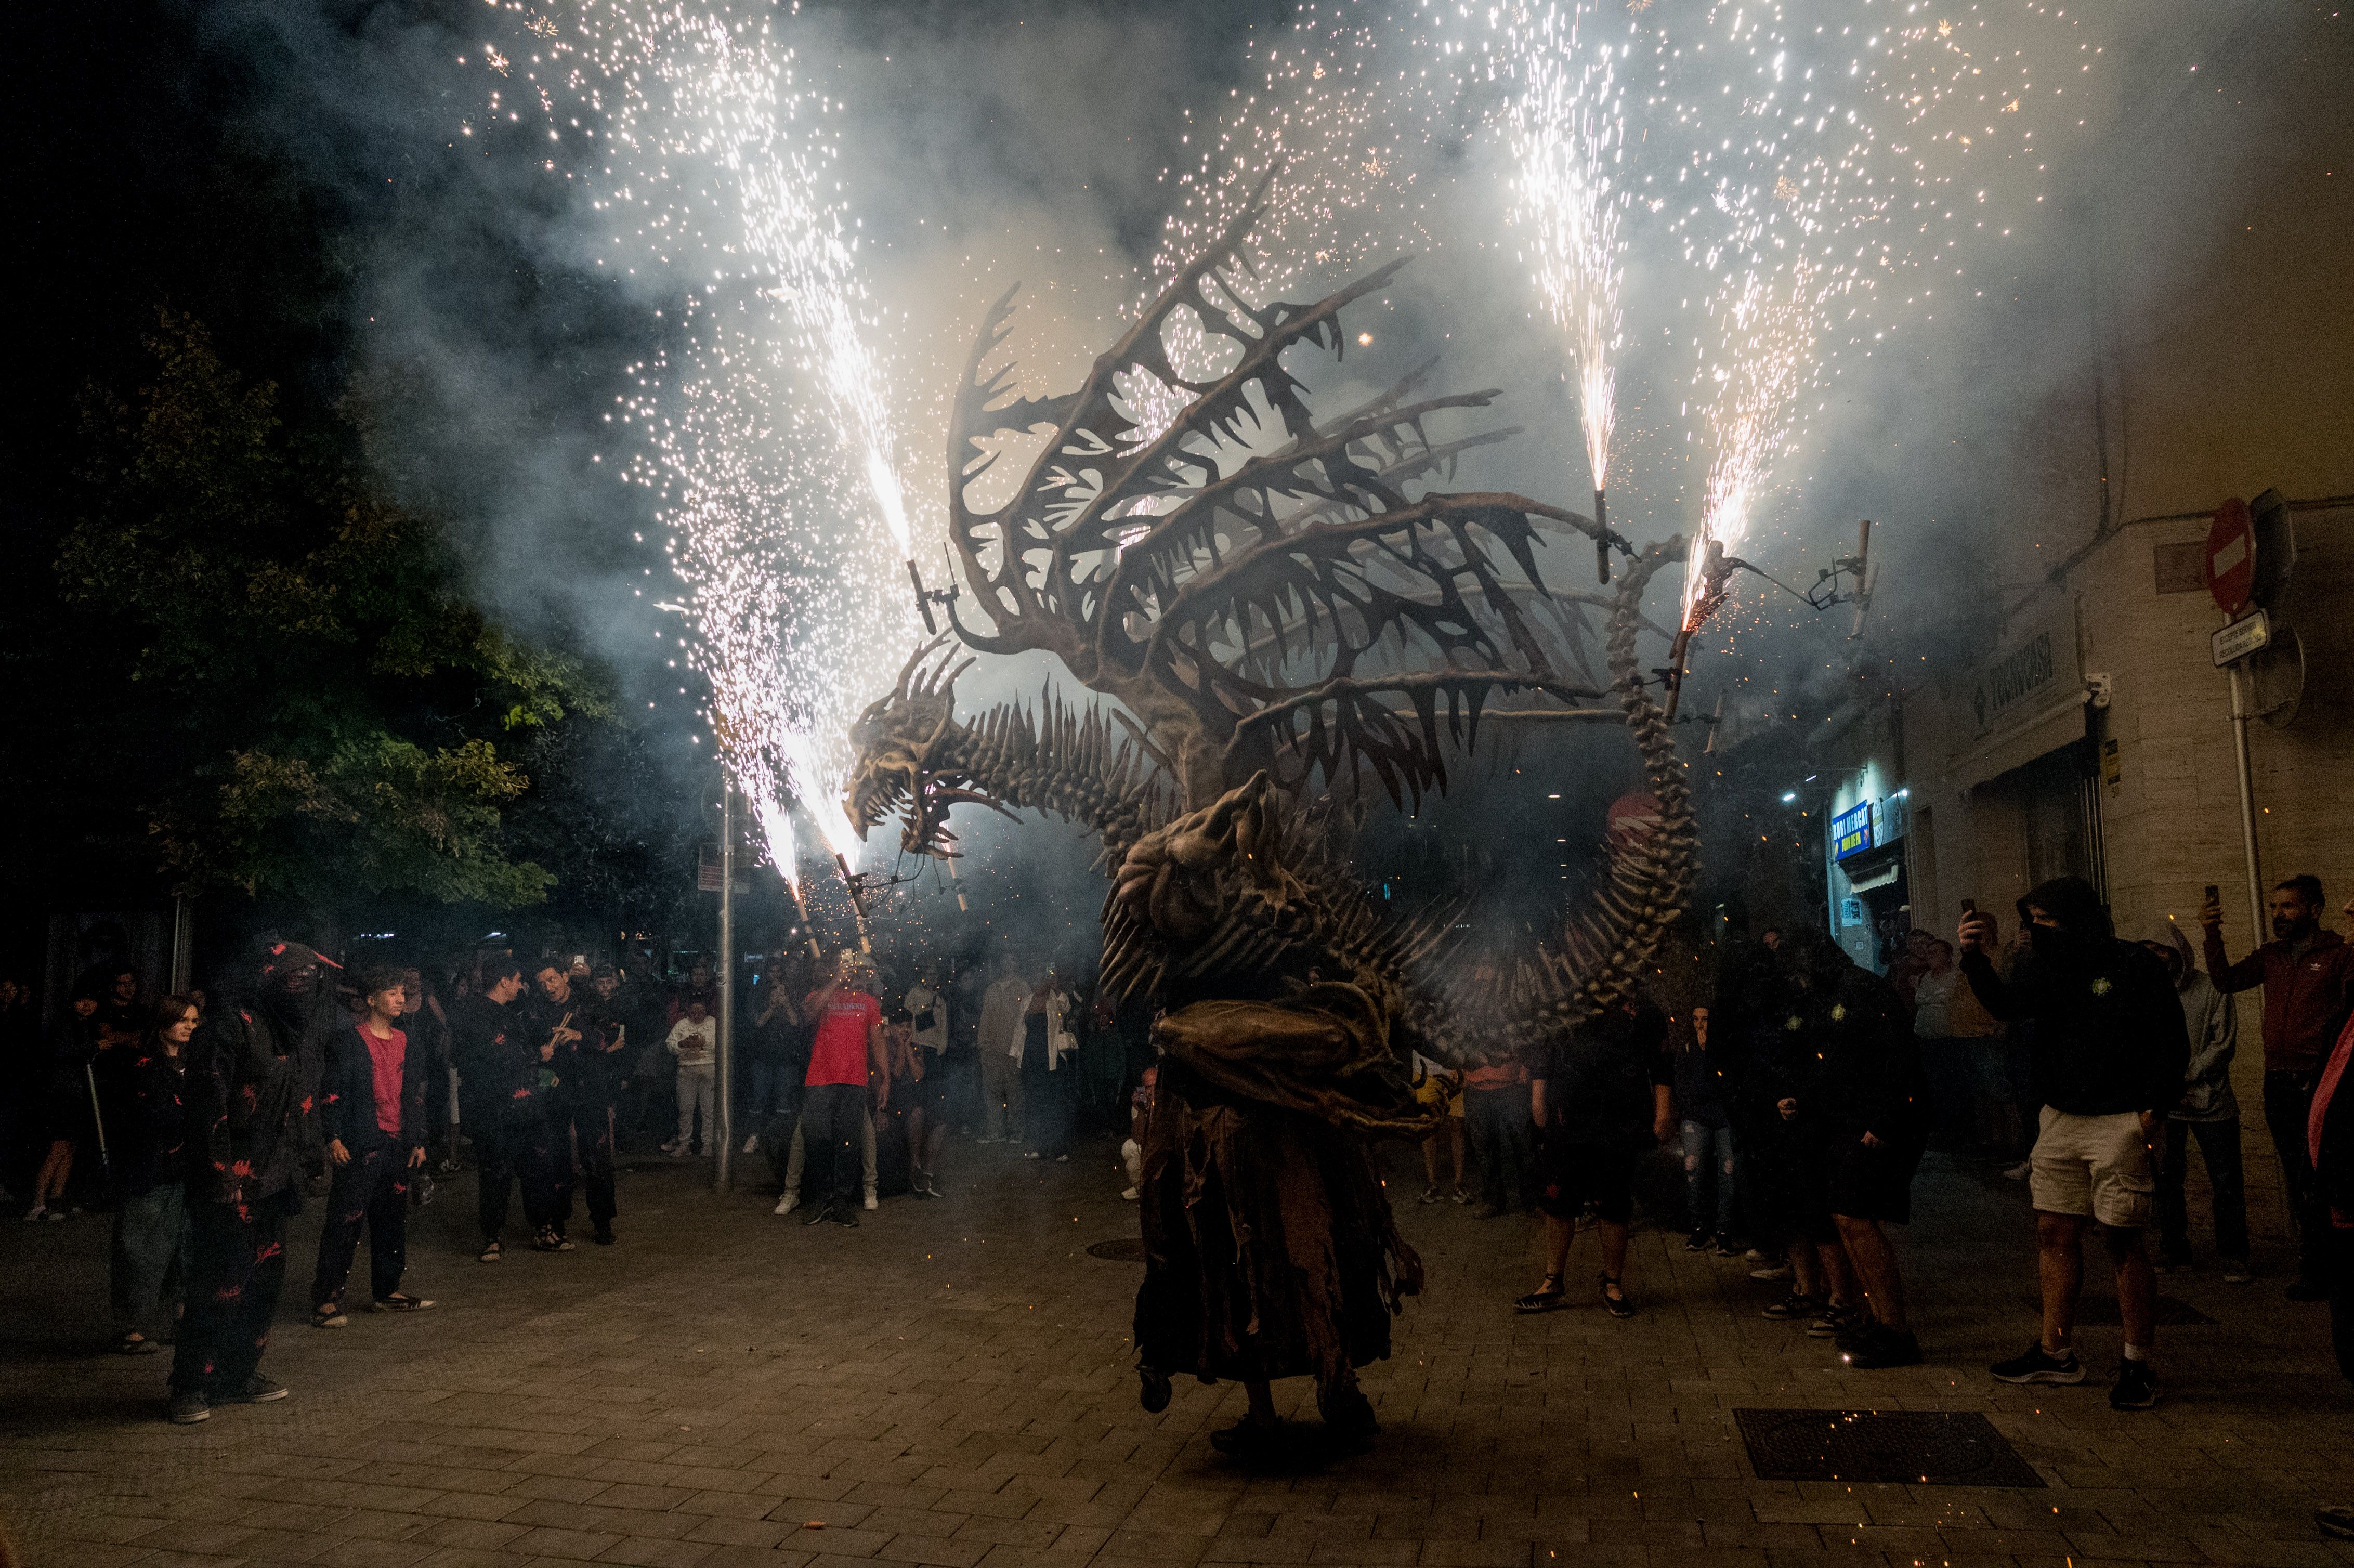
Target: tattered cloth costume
[(1270, 1250)]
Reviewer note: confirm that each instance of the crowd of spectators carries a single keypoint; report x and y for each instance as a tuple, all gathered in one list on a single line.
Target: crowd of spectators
[(1800, 1094)]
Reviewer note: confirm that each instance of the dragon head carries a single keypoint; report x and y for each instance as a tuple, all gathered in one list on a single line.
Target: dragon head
[(902, 758)]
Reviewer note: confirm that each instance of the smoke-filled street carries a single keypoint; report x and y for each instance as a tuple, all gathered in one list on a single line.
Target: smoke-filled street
[(1084, 782), (951, 1383)]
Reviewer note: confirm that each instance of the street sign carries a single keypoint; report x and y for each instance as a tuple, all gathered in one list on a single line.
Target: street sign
[(2245, 636), (2229, 564)]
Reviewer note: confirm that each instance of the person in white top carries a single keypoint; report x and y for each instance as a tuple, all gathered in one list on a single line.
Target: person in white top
[(691, 1041), (1003, 1007)]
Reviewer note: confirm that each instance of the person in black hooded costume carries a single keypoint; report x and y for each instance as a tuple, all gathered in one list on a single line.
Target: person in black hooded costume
[(2109, 1055), (251, 1071)]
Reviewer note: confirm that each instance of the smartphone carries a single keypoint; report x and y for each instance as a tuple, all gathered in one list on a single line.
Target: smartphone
[(1969, 906), (2213, 893)]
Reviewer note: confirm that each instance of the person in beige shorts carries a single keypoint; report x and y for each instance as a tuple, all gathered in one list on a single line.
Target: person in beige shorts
[(2110, 1049)]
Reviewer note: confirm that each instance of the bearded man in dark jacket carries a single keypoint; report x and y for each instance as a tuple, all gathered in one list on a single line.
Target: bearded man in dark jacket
[(2109, 1055), (247, 1095)]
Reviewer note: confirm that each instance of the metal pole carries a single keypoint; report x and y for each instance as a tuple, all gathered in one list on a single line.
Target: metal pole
[(725, 1098), (2247, 808), (184, 944)]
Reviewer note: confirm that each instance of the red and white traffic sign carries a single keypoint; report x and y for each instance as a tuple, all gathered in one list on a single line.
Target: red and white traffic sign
[(2229, 563)]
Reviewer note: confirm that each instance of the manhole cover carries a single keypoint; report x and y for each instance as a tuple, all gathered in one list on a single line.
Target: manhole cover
[(2101, 1312), (1126, 1250), (1938, 1449)]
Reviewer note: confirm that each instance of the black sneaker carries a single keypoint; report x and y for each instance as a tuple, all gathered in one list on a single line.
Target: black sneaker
[(1697, 1242), (1797, 1304), (1832, 1322), (2034, 1365), (817, 1213), (844, 1215), (604, 1237), (187, 1407), (1727, 1249), (1877, 1347), (2137, 1386), (258, 1389)]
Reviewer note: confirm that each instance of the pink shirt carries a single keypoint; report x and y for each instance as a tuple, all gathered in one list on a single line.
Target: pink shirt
[(384, 1057)]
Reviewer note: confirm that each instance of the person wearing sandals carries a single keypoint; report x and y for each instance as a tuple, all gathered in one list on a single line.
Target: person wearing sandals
[(374, 1106), (1596, 1098), (148, 1128)]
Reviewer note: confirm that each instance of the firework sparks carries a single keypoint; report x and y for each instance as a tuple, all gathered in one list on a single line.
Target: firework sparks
[(1568, 131)]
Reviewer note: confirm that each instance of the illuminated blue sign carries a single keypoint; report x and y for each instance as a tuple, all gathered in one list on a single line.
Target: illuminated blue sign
[(1851, 832)]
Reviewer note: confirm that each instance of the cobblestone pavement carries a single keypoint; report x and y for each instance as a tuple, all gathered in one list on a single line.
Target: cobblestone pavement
[(951, 1384)]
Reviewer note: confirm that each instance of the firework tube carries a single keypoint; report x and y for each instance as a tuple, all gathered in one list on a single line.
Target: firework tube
[(1601, 539), (923, 605), (857, 901), (1713, 570), (1863, 580)]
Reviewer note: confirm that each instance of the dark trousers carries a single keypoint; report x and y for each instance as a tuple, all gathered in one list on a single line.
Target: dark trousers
[(2288, 1098), (516, 1142), (237, 1266), (2218, 1146), (1502, 1139), (832, 1118), (149, 1256), (373, 1188), (585, 1122), (1046, 1104)]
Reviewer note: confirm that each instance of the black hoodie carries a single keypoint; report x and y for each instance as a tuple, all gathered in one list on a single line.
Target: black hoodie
[(2109, 1034)]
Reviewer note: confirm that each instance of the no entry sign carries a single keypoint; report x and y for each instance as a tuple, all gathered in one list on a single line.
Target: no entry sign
[(2229, 563)]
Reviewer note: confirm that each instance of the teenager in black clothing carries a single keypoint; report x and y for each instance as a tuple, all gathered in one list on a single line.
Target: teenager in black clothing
[(581, 1110), (1599, 1099), (147, 1131), (2109, 1055), (245, 1098), (498, 1079), (374, 1120)]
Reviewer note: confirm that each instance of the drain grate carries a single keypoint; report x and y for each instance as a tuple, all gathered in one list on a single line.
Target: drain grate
[(1933, 1447), (2101, 1312), (1128, 1249)]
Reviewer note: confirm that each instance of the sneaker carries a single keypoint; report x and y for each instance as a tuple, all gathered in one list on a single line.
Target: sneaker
[(2020, 1172), (399, 1302), (187, 1407), (258, 1389), (1882, 1348), (1833, 1321), (1128, 1195), (870, 1202), (674, 1149), (2302, 1290), (843, 1217), (1697, 1242), (752, 1144), (56, 1216), (787, 1204), (1798, 1306), (1752, 1255), (817, 1214), (1032, 1154), (1062, 1160), (1726, 1249), (2137, 1387), (1775, 1272), (2237, 1272), (2037, 1365), (604, 1237)]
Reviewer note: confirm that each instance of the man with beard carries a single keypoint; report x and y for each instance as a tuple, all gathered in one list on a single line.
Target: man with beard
[(586, 1060), (2308, 974), (245, 1096), (2109, 1057), (498, 1083)]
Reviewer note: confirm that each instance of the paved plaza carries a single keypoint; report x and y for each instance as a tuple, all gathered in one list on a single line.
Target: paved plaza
[(951, 1383)]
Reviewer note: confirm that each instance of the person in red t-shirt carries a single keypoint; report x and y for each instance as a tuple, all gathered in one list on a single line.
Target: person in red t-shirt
[(375, 1110), (848, 1045)]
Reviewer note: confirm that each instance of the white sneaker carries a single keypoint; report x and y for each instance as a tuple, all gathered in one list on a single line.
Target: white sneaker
[(1129, 1194), (2020, 1172), (672, 1148), (752, 1144), (787, 1204), (870, 1200)]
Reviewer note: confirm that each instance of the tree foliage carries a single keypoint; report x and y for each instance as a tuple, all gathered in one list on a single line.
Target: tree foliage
[(328, 710)]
